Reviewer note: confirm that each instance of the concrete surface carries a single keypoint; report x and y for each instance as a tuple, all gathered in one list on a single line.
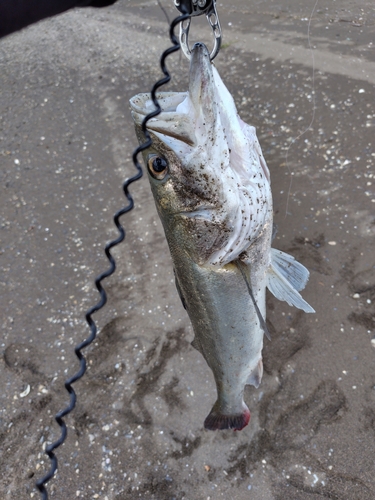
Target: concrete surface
[(66, 139)]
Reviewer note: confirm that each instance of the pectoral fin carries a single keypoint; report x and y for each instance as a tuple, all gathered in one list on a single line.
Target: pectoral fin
[(179, 289), (259, 314), (286, 277)]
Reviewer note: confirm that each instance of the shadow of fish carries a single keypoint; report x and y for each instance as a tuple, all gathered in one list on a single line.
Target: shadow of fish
[(211, 187)]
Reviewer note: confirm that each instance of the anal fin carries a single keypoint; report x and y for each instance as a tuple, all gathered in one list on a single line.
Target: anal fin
[(255, 377)]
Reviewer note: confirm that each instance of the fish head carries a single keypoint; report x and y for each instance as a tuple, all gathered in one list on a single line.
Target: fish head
[(185, 140), (202, 164)]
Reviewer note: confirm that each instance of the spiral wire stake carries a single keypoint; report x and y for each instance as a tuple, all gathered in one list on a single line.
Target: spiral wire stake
[(59, 417)]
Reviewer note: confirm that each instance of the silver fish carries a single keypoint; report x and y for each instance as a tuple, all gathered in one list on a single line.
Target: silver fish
[(211, 186)]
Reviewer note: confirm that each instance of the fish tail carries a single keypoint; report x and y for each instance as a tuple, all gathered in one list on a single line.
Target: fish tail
[(216, 420)]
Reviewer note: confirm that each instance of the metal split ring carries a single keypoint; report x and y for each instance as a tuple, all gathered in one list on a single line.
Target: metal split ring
[(196, 8)]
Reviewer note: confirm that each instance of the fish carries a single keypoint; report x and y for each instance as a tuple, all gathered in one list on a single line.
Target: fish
[(212, 191)]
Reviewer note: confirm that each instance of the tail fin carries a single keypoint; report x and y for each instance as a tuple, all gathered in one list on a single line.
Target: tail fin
[(217, 421)]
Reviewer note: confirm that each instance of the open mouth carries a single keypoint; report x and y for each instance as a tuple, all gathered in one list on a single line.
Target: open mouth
[(175, 120), (142, 104)]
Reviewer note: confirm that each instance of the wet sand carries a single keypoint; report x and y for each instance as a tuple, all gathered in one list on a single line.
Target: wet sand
[(66, 139)]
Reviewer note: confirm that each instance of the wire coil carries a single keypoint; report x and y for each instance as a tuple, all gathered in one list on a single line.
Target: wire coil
[(50, 449)]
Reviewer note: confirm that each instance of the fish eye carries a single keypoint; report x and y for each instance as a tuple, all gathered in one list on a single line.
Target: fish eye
[(157, 166)]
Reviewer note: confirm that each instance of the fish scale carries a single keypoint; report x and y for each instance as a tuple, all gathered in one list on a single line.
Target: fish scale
[(211, 187)]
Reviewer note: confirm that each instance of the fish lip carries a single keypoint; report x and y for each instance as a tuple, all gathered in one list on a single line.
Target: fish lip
[(199, 51), (168, 123), (142, 104), (200, 74)]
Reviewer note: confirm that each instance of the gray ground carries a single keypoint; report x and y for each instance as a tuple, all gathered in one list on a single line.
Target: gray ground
[(66, 138)]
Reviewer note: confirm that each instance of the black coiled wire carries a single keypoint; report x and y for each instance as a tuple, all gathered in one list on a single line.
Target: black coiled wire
[(41, 483)]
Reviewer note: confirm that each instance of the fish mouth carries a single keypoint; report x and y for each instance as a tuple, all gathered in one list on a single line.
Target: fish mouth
[(142, 104), (200, 75), (181, 111), (170, 122)]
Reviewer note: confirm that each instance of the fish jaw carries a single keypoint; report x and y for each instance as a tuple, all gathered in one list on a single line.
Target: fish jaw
[(173, 126), (189, 117), (202, 99)]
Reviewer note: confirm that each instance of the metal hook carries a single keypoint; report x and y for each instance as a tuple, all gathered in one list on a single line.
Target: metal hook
[(197, 8)]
